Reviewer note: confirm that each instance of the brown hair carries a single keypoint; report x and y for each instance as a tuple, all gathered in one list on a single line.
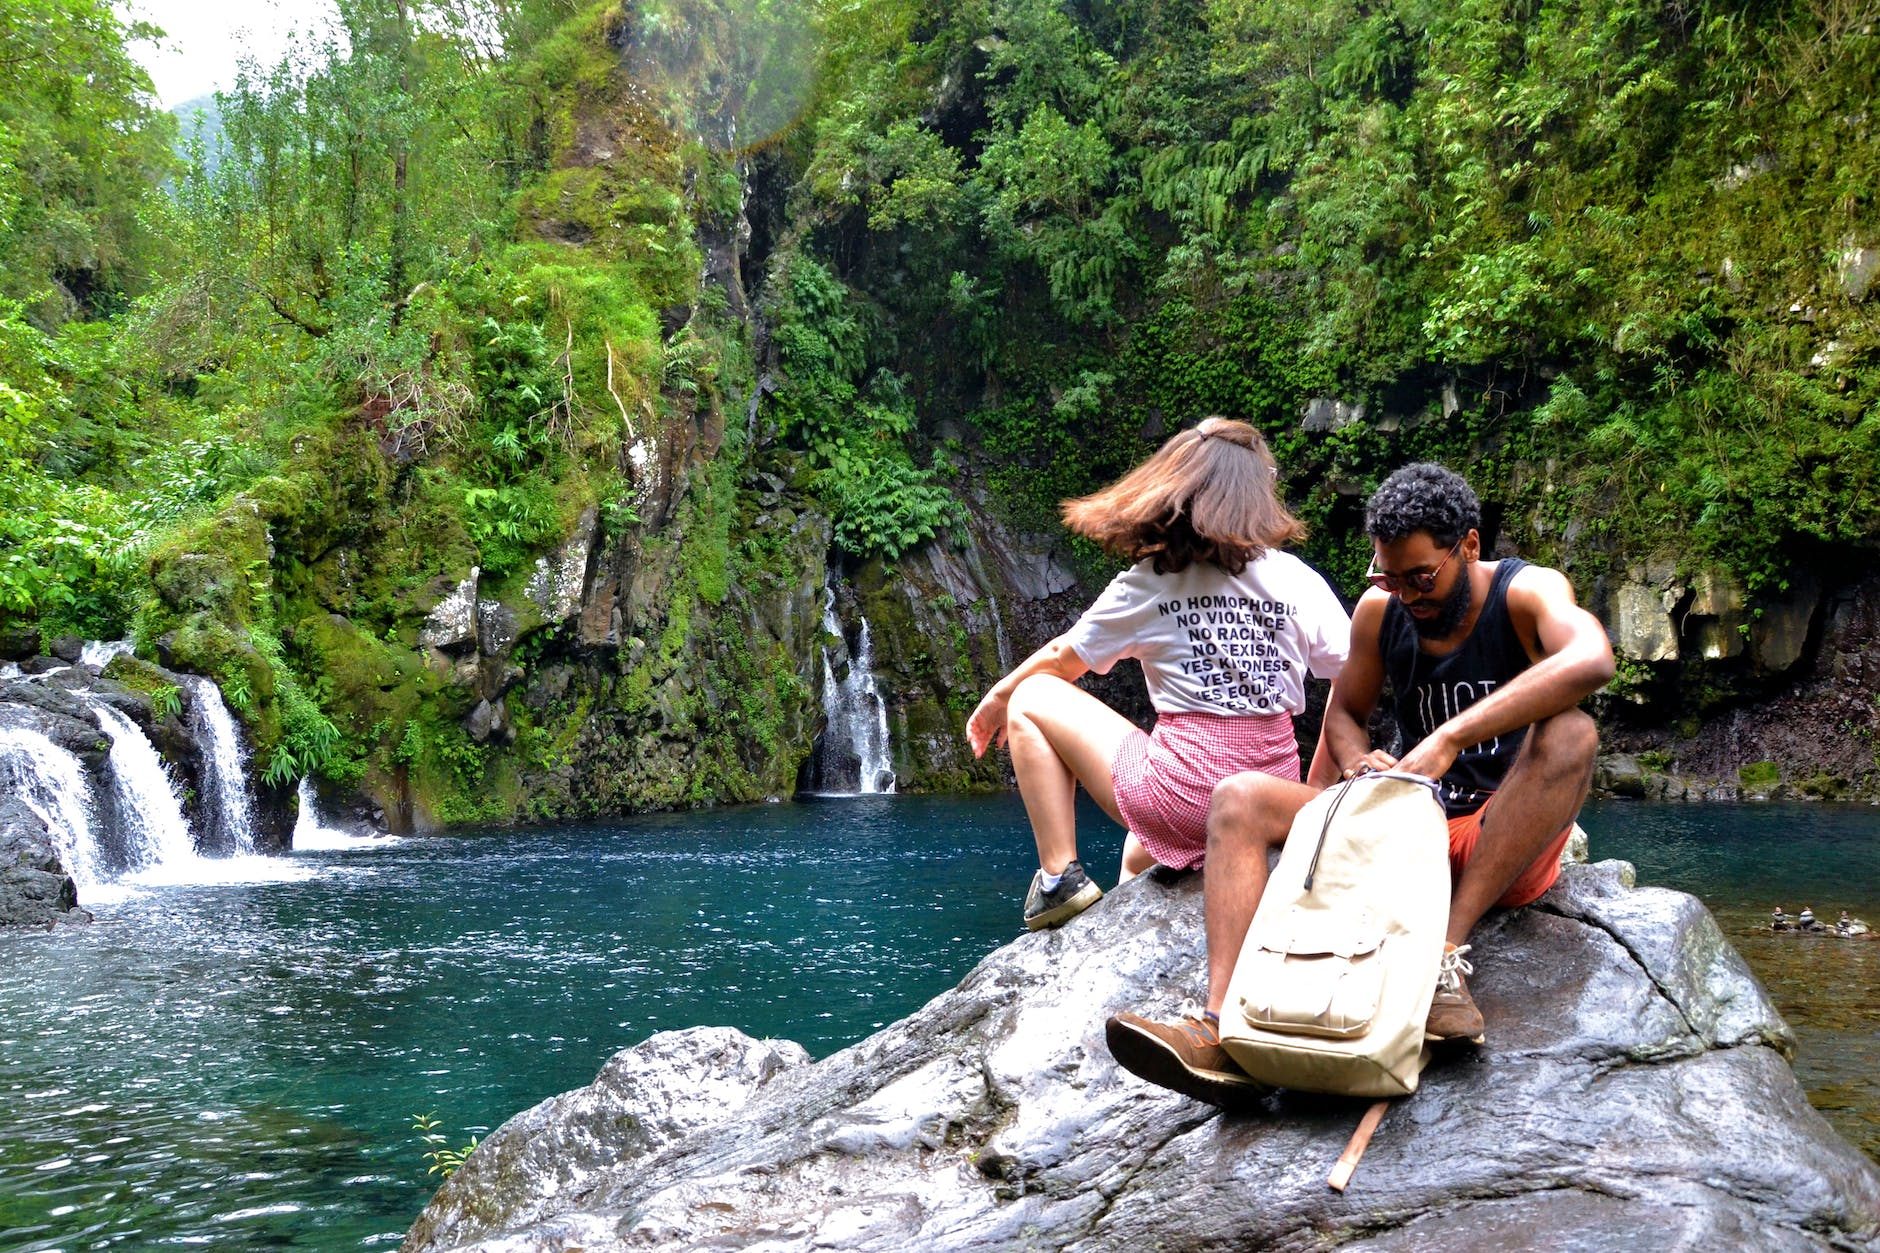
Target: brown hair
[(1208, 494)]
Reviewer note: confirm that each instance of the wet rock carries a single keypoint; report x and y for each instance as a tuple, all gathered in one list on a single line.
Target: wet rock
[(59, 715), (1324, 413), (1634, 1080), (1778, 637), (67, 648), (1619, 774), (1643, 628), (35, 889), (1857, 268), (453, 622), (17, 643)]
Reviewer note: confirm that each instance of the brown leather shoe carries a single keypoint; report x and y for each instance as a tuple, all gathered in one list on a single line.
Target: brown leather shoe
[(1453, 1015), (1185, 1057)]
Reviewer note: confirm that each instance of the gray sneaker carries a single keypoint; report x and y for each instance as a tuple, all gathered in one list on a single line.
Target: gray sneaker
[(1072, 896)]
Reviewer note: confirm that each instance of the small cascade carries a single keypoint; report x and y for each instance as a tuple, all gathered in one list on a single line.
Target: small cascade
[(998, 634), (311, 835), (52, 783), (225, 768), (852, 758), (100, 652), (149, 809)]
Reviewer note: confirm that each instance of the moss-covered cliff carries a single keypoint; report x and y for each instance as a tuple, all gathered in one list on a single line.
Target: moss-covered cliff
[(497, 452)]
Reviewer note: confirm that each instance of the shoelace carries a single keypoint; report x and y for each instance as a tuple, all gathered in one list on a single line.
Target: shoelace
[(1449, 978), (1192, 1018)]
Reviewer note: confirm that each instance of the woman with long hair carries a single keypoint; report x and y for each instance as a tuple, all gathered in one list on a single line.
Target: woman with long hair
[(1226, 627)]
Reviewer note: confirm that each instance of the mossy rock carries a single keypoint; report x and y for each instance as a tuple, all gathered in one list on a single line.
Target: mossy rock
[(1823, 786), (340, 481), (370, 678), (204, 644), (138, 675), (1759, 777)]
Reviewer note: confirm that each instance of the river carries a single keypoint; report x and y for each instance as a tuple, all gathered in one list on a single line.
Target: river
[(237, 1062)]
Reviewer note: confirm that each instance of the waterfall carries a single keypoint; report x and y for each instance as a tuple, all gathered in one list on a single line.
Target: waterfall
[(312, 835), (1003, 646), (225, 767), (100, 652), (154, 829), (52, 783), (857, 730)]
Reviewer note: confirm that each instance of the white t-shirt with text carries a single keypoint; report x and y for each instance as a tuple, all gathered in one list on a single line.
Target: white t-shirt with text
[(1219, 643)]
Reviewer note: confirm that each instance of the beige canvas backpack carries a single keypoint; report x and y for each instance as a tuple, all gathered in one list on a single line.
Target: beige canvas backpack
[(1334, 981)]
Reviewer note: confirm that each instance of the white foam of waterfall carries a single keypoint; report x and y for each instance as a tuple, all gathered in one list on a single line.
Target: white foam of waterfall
[(100, 652), (998, 634), (872, 746), (313, 836), (150, 811), (225, 766), (198, 872), (857, 716), (52, 783)]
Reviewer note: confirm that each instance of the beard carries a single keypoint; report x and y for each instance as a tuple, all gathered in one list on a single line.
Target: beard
[(1450, 613)]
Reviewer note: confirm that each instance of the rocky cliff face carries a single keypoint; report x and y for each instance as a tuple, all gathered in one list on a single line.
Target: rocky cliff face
[(1634, 1082), (1781, 706)]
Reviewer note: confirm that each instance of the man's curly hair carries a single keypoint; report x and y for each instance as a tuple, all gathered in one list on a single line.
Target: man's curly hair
[(1423, 497)]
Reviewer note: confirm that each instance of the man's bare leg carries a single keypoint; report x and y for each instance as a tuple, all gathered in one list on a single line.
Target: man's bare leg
[(1251, 813), (1540, 796)]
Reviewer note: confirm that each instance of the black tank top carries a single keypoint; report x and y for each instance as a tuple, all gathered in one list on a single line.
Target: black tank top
[(1428, 691)]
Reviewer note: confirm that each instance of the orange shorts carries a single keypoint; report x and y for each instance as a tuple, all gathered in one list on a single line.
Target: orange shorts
[(1535, 880)]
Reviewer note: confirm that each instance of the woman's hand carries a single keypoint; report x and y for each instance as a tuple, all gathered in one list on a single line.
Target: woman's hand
[(986, 728)]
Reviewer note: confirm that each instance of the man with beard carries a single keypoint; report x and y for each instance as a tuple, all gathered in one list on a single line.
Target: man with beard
[(1487, 662)]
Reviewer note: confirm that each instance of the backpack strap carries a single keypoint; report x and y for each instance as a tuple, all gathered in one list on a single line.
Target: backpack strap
[(1360, 1141), (1345, 790)]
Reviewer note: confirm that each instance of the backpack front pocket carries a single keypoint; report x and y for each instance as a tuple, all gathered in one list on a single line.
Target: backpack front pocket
[(1314, 973)]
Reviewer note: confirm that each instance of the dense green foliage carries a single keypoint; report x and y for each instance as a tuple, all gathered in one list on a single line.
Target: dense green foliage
[(463, 272), (1620, 235)]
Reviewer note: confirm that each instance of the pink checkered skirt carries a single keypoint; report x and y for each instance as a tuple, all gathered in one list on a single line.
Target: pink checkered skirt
[(1164, 779)]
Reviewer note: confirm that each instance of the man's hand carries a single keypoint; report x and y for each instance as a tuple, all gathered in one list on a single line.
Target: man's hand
[(1376, 759), (1432, 757)]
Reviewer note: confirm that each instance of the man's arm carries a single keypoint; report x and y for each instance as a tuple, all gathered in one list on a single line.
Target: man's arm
[(1345, 737), (1573, 659)]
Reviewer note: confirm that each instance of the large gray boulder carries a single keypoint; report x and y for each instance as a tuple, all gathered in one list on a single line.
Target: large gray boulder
[(1635, 1086), (35, 890)]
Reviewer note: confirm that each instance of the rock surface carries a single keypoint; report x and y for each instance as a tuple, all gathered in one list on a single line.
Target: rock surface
[(1818, 728), (1634, 1081), (35, 890)]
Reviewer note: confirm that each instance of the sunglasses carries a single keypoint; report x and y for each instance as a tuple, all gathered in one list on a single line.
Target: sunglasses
[(1419, 581)]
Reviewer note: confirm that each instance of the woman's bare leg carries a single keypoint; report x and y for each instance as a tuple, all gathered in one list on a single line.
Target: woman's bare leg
[(1136, 859), (1060, 736)]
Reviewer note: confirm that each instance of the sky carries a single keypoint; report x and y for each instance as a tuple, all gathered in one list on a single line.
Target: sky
[(206, 39)]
